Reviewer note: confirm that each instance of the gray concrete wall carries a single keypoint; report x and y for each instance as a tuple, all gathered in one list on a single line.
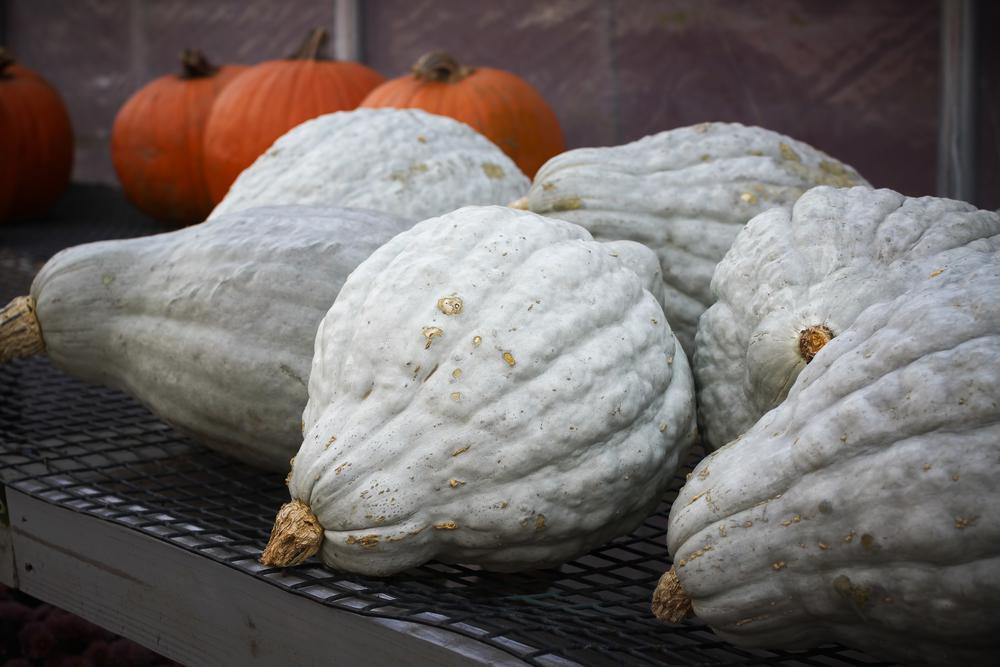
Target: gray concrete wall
[(856, 78)]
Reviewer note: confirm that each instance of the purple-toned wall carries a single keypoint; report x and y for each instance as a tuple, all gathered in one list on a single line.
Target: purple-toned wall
[(856, 78), (98, 52), (988, 120)]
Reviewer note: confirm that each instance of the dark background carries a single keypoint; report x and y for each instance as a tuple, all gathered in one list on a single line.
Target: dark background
[(859, 79)]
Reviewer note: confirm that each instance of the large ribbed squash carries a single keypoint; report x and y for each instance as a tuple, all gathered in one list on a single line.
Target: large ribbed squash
[(402, 161), (685, 193), (490, 387), (211, 327), (865, 508), (796, 277)]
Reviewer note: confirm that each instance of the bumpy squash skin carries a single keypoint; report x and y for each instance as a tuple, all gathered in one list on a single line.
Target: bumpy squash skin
[(864, 508), (685, 193), (836, 252), (405, 162), (211, 327), (545, 417)]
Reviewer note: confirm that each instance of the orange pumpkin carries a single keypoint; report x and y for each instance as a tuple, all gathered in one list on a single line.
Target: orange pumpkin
[(273, 97), (36, 142), (157, 141), (500, 105)]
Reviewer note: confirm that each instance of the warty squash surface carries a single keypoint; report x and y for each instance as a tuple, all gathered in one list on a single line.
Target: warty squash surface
[(796, 277), (685, 193), (405, 162), (490, 387), (211, 327), (865, 508)]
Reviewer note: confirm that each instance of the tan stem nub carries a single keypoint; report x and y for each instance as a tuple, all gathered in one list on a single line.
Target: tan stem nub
[(194, 65), (670, 603), (311, 48), (520, 204), (295, 537), (20, 334), (441, 67), (812, 340)]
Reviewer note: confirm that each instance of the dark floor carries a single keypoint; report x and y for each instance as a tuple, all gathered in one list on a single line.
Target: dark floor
[(34, 633)]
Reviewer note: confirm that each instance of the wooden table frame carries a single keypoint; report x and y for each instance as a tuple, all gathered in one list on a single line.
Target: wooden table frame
[(195, 610)]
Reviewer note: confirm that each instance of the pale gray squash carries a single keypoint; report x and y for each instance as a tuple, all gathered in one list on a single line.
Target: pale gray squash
[(685, 193), (794, 277), (865, 508), (491, 387), (405, 162), (211, 327)]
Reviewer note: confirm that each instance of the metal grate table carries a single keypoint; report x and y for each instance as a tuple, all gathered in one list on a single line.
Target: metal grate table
[(101, 456)]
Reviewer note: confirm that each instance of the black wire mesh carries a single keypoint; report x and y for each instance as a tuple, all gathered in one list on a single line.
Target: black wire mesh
[(95, 450)]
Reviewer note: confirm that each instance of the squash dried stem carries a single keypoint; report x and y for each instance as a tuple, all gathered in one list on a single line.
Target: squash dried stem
[(812, 339), (520, 204), (20, 334), (670, 603), (296, 536)]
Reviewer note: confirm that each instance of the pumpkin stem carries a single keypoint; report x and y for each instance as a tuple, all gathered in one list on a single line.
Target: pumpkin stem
[(812, 339), (311, 47), (296, 536), (441, 67), (670, 603), (194, 65), (20, 335), (6, 60), (520, 204)]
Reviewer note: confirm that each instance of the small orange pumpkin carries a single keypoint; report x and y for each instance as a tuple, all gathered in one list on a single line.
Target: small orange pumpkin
[(500, 105), (36, 142), (157, 141), (273, 97)]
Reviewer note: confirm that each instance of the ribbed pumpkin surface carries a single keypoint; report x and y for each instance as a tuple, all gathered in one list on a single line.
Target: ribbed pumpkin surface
[(500, 105), (268, 100), (157, 143), (36, 142)]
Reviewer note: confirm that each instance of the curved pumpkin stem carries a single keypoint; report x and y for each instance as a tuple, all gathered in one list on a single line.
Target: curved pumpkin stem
[(20, 334), (812, 339), (194, 65), (441, 67), (671, 604), (313, 45), (520, 204), (296, 536), (6, 60)]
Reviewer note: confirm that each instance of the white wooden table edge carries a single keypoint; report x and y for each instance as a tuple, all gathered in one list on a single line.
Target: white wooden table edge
[(197, 611)]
